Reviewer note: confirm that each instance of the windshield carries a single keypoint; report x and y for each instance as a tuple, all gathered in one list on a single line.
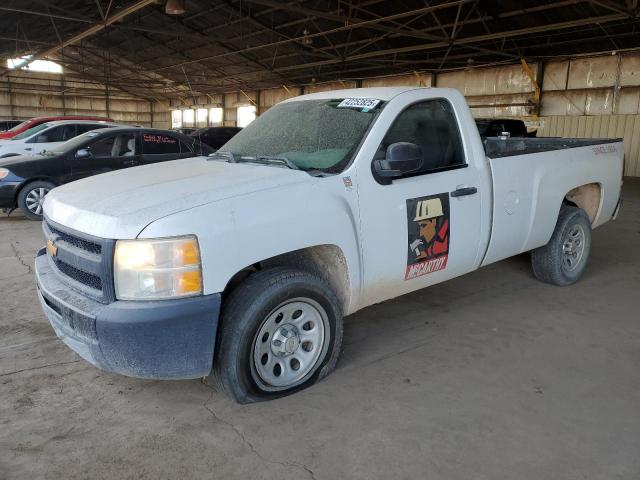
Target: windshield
[(311, 134), (19, 126), (31, 131)]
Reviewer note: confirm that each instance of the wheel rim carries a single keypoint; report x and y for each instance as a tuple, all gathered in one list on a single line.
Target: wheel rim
[(35, 199), (290, 344), (573, 247)]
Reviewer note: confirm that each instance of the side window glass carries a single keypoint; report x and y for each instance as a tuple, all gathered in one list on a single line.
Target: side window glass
[(57, 134), (433, 127), (157, 144), (52, 135), (123, 145)]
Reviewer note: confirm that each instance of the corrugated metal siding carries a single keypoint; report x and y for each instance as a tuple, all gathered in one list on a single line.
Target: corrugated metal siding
[(626, 127)]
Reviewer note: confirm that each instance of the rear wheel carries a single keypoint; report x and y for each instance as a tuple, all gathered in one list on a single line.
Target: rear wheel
[(563, 260), (281, 331), (31, 198)]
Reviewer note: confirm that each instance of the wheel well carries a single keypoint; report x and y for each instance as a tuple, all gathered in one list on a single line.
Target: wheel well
[(327, 261), (587, 197)]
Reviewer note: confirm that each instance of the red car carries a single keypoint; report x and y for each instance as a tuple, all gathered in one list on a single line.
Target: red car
[(27, 124)]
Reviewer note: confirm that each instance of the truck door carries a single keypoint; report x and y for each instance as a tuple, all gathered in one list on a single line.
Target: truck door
[(424, 227)]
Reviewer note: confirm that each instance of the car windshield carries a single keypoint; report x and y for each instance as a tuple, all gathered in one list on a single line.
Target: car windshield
[(31, 131), (311, 134), (19, 126)]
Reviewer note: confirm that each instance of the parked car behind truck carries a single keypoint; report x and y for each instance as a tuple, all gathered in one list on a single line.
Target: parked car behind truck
[(47, 136), (26, 180), (241, 266), (34, 122), (8, 124), (495, 127), (215, 137)]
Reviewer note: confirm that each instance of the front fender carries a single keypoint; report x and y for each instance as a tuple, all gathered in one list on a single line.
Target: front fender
[(238, 232)]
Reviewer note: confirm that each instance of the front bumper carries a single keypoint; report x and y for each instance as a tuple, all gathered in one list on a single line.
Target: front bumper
[(168, 339), (8, 192)]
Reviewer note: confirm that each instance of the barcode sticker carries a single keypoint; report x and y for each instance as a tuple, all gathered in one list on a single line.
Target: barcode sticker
[(366, 103)]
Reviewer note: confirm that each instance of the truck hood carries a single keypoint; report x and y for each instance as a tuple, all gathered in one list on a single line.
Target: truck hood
[(121, 204)]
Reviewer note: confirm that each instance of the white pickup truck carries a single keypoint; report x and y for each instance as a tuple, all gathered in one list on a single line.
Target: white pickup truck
[(240, 266)]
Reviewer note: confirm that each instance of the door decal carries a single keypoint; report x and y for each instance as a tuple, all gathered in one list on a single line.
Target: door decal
[(428, 232)]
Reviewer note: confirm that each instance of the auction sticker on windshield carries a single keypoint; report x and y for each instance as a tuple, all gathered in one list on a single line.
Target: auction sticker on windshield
[(367, 103)]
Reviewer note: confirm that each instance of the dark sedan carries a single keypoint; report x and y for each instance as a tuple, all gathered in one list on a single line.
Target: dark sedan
[(25, 180), (216, 137)]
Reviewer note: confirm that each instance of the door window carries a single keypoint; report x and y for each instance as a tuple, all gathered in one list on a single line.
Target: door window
[(56, 134), (432, 126), (158, 144), (123, 145)]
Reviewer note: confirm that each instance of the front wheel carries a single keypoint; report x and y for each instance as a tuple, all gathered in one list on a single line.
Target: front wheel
[(281, 331), (31, 198), (563, 260)]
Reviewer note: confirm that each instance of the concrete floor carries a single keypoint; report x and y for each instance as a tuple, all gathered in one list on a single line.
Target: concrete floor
[(490, 376)]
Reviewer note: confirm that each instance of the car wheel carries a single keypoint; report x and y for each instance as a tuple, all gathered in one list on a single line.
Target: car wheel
[(31, 198), (281, 331), (563, 260)]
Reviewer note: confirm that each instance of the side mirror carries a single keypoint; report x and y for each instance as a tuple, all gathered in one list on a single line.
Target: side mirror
[(401, 159), (83, 153)]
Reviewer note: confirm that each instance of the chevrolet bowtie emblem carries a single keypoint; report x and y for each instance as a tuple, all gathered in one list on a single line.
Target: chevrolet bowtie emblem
[(51, 248)]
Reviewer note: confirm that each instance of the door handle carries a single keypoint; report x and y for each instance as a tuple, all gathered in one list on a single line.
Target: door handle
[(29, 149), (461, 192)]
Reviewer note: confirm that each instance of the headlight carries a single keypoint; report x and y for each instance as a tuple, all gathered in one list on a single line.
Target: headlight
[(157, 269), (3, 173)]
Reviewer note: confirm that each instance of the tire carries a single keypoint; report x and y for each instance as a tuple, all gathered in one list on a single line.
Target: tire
[(256, 334), (563, 260), (31, 197)]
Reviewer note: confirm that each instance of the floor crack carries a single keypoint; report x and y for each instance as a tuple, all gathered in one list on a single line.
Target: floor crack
[(250, 445), (38, 368), (19, 258)]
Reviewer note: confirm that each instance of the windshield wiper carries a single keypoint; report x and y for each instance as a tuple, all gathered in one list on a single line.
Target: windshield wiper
[(228, 156), (275, 160), (268, 160), (261, 159)]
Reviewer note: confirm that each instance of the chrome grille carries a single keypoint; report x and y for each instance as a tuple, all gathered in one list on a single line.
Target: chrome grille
[(82, 261), (88, 279), (76, 241)]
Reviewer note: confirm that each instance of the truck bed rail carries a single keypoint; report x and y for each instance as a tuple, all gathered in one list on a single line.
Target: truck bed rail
[(497, 147)]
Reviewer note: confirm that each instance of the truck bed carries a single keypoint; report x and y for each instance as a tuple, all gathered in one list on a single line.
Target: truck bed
[(528, 190), (496, 147)]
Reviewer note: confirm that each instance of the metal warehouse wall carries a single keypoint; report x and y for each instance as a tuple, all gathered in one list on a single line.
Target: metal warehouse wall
[(626, 127), (28, 94), (588, 96)]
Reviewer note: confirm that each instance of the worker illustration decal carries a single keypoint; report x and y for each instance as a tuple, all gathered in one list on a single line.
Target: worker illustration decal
[(428, 232)]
